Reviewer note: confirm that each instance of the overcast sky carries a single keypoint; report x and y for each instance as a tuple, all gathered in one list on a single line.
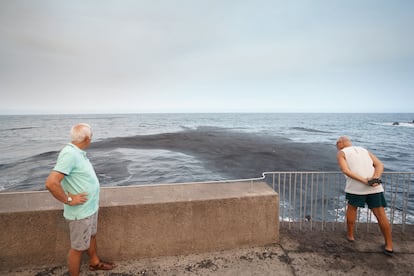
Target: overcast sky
[(206, 56)]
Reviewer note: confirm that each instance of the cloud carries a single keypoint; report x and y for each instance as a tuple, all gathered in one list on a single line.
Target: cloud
[(134, 55)]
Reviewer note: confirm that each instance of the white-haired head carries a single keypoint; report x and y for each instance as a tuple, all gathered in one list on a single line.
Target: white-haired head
[(342, 142), (343, 139), (80, 132)]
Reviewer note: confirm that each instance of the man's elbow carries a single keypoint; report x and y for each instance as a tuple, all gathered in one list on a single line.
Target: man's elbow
[(379, 166), (50, 183), (346, 172)]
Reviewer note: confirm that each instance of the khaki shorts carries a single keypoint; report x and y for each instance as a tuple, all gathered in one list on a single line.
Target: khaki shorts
[(81, 231)]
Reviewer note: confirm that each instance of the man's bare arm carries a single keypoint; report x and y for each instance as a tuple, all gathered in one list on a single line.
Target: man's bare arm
[(53, 184)]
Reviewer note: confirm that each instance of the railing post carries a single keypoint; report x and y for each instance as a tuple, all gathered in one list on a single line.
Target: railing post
[(397, 187)]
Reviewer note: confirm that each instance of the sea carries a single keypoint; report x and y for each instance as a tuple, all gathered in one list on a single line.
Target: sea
[(135, 149), (151, 149)]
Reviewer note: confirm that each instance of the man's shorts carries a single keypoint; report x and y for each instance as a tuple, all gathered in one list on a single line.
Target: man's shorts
[(81, 231), (372, 200)]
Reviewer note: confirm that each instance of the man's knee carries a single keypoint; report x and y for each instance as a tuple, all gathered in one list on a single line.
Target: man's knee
[(351, 209), (379, 212), (75, 253)]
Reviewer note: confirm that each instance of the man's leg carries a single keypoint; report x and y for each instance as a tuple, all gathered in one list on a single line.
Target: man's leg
[(74, 261), (93, 251), (94, 262), (351, 213), (384, 226), (78, 244)]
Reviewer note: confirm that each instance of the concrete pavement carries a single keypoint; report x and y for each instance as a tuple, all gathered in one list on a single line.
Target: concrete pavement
[(299, 253)]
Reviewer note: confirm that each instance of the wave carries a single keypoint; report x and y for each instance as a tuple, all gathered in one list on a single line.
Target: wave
[(310, 130), (19, 128), (397, 124), (404, 125)]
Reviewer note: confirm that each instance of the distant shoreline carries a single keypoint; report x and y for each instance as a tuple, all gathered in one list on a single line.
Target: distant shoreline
[(177, 113)]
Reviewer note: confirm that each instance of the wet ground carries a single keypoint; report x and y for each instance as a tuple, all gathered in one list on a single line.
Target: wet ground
[(305, 252)]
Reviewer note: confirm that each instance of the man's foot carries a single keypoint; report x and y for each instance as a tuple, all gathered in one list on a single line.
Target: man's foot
[(388, 252), (102, 265), (350, 239)]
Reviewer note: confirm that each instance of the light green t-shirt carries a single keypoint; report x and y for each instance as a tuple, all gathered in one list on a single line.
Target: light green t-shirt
[(79, 177)]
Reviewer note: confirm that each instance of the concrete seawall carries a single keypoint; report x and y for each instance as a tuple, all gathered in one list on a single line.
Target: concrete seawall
[(142, 221)]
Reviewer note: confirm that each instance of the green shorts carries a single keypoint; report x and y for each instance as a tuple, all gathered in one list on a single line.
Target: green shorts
[(372, 200)]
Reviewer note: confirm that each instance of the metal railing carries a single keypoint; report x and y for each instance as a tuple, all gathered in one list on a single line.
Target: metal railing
[(316, 200)]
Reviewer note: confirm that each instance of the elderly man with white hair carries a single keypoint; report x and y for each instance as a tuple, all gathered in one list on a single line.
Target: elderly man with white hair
[(73, 181), (363, 171)]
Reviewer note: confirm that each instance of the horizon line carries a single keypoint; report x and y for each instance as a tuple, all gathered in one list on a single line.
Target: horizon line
[(201, 112)]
